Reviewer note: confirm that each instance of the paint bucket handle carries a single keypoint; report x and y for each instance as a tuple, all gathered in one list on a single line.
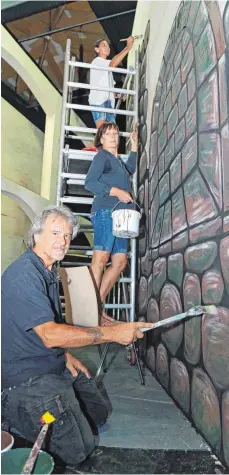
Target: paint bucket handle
[(135, 202)]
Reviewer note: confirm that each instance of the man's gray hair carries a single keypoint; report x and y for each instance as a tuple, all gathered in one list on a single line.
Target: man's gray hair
[(38, 222)]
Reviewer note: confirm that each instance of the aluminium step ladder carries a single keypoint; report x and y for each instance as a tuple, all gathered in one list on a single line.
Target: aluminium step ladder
[(73, 167)]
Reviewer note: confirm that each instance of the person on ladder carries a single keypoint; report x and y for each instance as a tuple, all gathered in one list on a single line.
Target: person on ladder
[(105, 78), (108, 179)]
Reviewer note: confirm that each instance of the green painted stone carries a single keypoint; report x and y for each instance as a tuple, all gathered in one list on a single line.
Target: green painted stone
[(162, 366), (167, 107), (169, 152), (205, 54), (175, 269), (159, 274), (182, 101), (179, 135), (190, 119), (158, 226), (162, 140), (200, 257), (205, 408), (187, 62), (189, 155), (191, 84), (176, 87), (172, 120), (178, 212), (208, 109), (210, 163), (164, 188), (201, 20), (175, 173), (179, 383), (166, 232)]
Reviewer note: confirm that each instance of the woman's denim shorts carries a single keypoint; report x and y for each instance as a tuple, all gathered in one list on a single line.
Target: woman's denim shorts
[(104, 240), (109, 117)]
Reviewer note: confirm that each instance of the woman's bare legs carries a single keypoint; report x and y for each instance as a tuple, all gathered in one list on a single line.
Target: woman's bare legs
[(105, 282)]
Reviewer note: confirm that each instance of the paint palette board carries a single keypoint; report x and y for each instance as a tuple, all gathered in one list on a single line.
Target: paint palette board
[(193, 312)]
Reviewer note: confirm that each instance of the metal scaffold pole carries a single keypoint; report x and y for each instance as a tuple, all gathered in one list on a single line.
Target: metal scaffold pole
[(73, 167)]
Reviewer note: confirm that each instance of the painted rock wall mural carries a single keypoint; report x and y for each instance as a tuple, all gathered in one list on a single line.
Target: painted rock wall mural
[(183, 247)]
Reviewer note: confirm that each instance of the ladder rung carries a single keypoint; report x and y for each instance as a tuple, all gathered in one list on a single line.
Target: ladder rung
[(71, 153), (125, 280), (76, 176), (79, 252), (75, 182), (116, 90), (100, 109), (118, 305), (84, 138), (74, 128), (77, 200), (132, 72)]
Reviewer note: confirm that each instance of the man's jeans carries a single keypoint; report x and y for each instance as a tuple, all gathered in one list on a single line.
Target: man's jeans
[(75, 402)]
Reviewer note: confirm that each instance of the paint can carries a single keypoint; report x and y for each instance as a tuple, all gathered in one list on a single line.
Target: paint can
[(14, 461), (125, 222)]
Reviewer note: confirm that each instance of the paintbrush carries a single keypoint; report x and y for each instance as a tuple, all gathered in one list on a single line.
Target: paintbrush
[(193, 312), (136, 37), (47, 418)]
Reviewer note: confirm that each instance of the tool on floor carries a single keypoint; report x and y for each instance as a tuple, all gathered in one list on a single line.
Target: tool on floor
[(136, 37), (47, 418), (193, 312)]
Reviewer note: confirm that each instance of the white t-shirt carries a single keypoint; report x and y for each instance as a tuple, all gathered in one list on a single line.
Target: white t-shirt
[(101, 78)]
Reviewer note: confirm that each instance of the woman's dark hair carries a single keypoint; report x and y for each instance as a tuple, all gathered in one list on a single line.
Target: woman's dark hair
[(102, 130)]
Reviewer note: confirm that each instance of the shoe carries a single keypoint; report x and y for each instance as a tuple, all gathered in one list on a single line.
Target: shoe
[(90, 149)]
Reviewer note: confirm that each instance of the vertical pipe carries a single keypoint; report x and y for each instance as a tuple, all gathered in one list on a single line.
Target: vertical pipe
[(70, 93), (62, 131), (119, 300), (135, 178)]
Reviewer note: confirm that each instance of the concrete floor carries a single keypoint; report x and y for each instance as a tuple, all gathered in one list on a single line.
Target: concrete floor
[(143, 417)]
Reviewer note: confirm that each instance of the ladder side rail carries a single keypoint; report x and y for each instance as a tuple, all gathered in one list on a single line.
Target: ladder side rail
[(78, 64), (63, 114), (135, 179), (70, 92)]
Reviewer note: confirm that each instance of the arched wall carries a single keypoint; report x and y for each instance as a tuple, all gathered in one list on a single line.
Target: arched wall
[(183, 248)]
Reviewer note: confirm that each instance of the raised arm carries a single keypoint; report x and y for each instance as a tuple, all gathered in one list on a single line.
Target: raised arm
[(131, 162), (117, 59)]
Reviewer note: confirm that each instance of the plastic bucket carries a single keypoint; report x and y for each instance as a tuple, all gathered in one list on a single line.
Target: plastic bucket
[(7, 441), (125, 222), (14, 461)]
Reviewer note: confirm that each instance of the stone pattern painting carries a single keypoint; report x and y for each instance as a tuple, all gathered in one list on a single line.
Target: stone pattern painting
[(183, 247)]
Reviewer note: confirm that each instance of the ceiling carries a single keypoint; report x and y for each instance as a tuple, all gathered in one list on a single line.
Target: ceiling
[(28, 19)]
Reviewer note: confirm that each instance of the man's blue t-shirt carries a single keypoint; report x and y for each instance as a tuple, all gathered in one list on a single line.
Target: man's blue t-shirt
[(30, 297)]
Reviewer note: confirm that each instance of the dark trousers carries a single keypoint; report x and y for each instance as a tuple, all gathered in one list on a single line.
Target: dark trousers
[(75, 402)]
